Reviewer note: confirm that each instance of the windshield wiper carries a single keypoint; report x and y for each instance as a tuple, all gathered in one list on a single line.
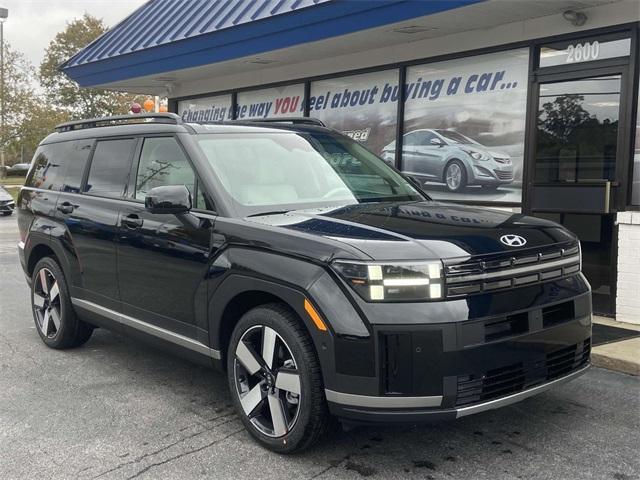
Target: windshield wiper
[(274, 212)]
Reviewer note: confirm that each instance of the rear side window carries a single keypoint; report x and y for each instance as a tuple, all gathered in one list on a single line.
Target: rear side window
[(77, 155), (110, 166), (59, 166)]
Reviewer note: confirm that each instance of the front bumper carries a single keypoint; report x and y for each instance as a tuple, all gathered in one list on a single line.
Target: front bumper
[(491, 173), (430, 371), (369, 410)]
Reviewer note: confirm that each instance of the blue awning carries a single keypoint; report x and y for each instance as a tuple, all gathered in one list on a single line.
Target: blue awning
[(168, 35)]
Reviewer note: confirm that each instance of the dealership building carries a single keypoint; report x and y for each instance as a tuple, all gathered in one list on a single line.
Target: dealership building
[(523, 105)]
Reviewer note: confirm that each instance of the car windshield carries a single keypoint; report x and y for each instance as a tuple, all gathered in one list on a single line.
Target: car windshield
[(266, 172), (455, 137)]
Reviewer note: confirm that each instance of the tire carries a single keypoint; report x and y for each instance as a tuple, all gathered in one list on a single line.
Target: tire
[(56, 321), (257, 396), (461, 182), (6, 214)]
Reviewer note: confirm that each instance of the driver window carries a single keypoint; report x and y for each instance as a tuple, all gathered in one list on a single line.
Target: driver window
[(163, 162)]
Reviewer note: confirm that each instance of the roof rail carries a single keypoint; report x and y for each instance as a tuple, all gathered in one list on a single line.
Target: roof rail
[(292, 120), (170, 118)]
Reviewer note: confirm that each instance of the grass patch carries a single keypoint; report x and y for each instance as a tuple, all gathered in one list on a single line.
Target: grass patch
[(12, 181), (13, 191)]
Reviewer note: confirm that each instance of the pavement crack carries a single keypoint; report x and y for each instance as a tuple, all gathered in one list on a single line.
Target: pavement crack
[(166, 447), (184, 454)]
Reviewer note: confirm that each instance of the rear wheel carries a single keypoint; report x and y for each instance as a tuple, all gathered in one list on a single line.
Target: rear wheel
[(56, 321), (275, 380)]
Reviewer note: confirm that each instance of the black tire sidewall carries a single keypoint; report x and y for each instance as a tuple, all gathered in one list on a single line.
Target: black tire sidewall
[(68, 319), (278, 322)]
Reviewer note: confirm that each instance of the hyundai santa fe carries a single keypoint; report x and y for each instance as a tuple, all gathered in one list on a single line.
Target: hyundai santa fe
[(323, 282), (449, 157)]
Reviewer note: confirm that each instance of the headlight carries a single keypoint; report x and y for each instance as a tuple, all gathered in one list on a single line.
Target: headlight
[(475, 155), (389, 282)]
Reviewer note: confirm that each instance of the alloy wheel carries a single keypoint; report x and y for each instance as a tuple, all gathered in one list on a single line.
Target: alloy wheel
[(46, 303), (454, 176), (267, 381)]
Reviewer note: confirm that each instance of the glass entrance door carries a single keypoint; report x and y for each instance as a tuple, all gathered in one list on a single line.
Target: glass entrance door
[(576, 146)]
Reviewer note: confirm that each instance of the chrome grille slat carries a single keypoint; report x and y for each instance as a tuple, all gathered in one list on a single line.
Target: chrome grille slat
[(503, 271)]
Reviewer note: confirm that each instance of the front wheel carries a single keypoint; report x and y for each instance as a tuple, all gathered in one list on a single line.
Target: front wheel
[(455, 176), (275, 380)]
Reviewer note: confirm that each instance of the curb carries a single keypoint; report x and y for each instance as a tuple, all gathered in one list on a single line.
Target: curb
[(608, 362)]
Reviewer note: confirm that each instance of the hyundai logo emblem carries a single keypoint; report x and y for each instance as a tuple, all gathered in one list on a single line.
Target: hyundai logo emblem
[(513, 240)]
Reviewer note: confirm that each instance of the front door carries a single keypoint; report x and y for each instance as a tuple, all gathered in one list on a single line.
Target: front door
[(577, 147), (163, 259)]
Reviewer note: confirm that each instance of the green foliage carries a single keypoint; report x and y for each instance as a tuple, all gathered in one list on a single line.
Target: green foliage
[(64, 92)]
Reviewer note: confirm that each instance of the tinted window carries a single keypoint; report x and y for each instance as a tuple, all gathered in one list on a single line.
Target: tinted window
[(110, 167), (76, 156), (47, 168)]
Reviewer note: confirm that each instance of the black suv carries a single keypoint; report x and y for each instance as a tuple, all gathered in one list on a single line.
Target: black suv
[(318, 277)]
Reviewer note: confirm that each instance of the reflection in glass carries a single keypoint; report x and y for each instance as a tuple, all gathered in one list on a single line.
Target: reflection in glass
[(577, 130)]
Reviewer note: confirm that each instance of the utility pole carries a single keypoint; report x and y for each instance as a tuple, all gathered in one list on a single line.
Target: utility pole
[(4, 14)]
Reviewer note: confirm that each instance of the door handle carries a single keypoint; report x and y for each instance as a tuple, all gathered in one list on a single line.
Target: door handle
[(66, 207), (132, 221)]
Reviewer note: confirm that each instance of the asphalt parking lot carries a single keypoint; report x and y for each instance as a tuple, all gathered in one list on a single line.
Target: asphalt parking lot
[(118, 409)]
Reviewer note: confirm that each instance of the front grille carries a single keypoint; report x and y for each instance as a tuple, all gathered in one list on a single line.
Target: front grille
[(502, 160), (500, 271), (520, 376), (503, 175)]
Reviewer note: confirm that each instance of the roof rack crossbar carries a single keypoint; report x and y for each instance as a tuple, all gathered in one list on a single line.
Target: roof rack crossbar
[(170, 118), (292, 120)]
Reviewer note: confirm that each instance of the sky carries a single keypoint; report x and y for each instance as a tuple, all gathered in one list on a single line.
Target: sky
[(32, 24)]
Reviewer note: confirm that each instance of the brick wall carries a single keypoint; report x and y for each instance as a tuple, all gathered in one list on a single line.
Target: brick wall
[(628, 294)]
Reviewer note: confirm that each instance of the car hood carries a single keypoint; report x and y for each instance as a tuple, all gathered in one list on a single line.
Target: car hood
[(421, 230), (4, 195)]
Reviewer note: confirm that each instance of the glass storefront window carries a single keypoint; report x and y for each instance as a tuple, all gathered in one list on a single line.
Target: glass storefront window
[(577, 130), (464, 126), (285, 101), (206, 109), (364, 107)]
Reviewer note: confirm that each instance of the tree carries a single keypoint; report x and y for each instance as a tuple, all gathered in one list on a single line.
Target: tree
[(67, 94), (27, 118)]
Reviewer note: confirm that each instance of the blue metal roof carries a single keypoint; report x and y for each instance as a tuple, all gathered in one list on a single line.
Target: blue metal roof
[(167, 35), (159, 22)]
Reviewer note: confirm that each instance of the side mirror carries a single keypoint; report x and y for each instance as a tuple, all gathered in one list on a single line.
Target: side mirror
[(169, 199), (437, 142)]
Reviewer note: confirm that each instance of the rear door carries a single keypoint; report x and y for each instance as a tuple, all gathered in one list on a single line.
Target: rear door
[(163, 259), (90, 218)]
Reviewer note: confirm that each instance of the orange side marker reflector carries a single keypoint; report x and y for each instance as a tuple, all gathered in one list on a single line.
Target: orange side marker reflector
[(314, 316)]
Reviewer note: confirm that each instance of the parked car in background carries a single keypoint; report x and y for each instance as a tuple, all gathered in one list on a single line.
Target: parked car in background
[(448, 157), (6, 202), (18, 170)]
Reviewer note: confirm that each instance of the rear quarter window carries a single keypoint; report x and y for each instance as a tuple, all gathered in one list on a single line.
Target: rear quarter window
[(59, 166)]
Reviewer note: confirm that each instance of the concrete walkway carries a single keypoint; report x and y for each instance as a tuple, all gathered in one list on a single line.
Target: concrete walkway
[(622, 356)]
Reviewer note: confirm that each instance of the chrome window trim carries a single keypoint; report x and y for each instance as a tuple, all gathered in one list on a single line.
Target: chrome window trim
[(148, 328)]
